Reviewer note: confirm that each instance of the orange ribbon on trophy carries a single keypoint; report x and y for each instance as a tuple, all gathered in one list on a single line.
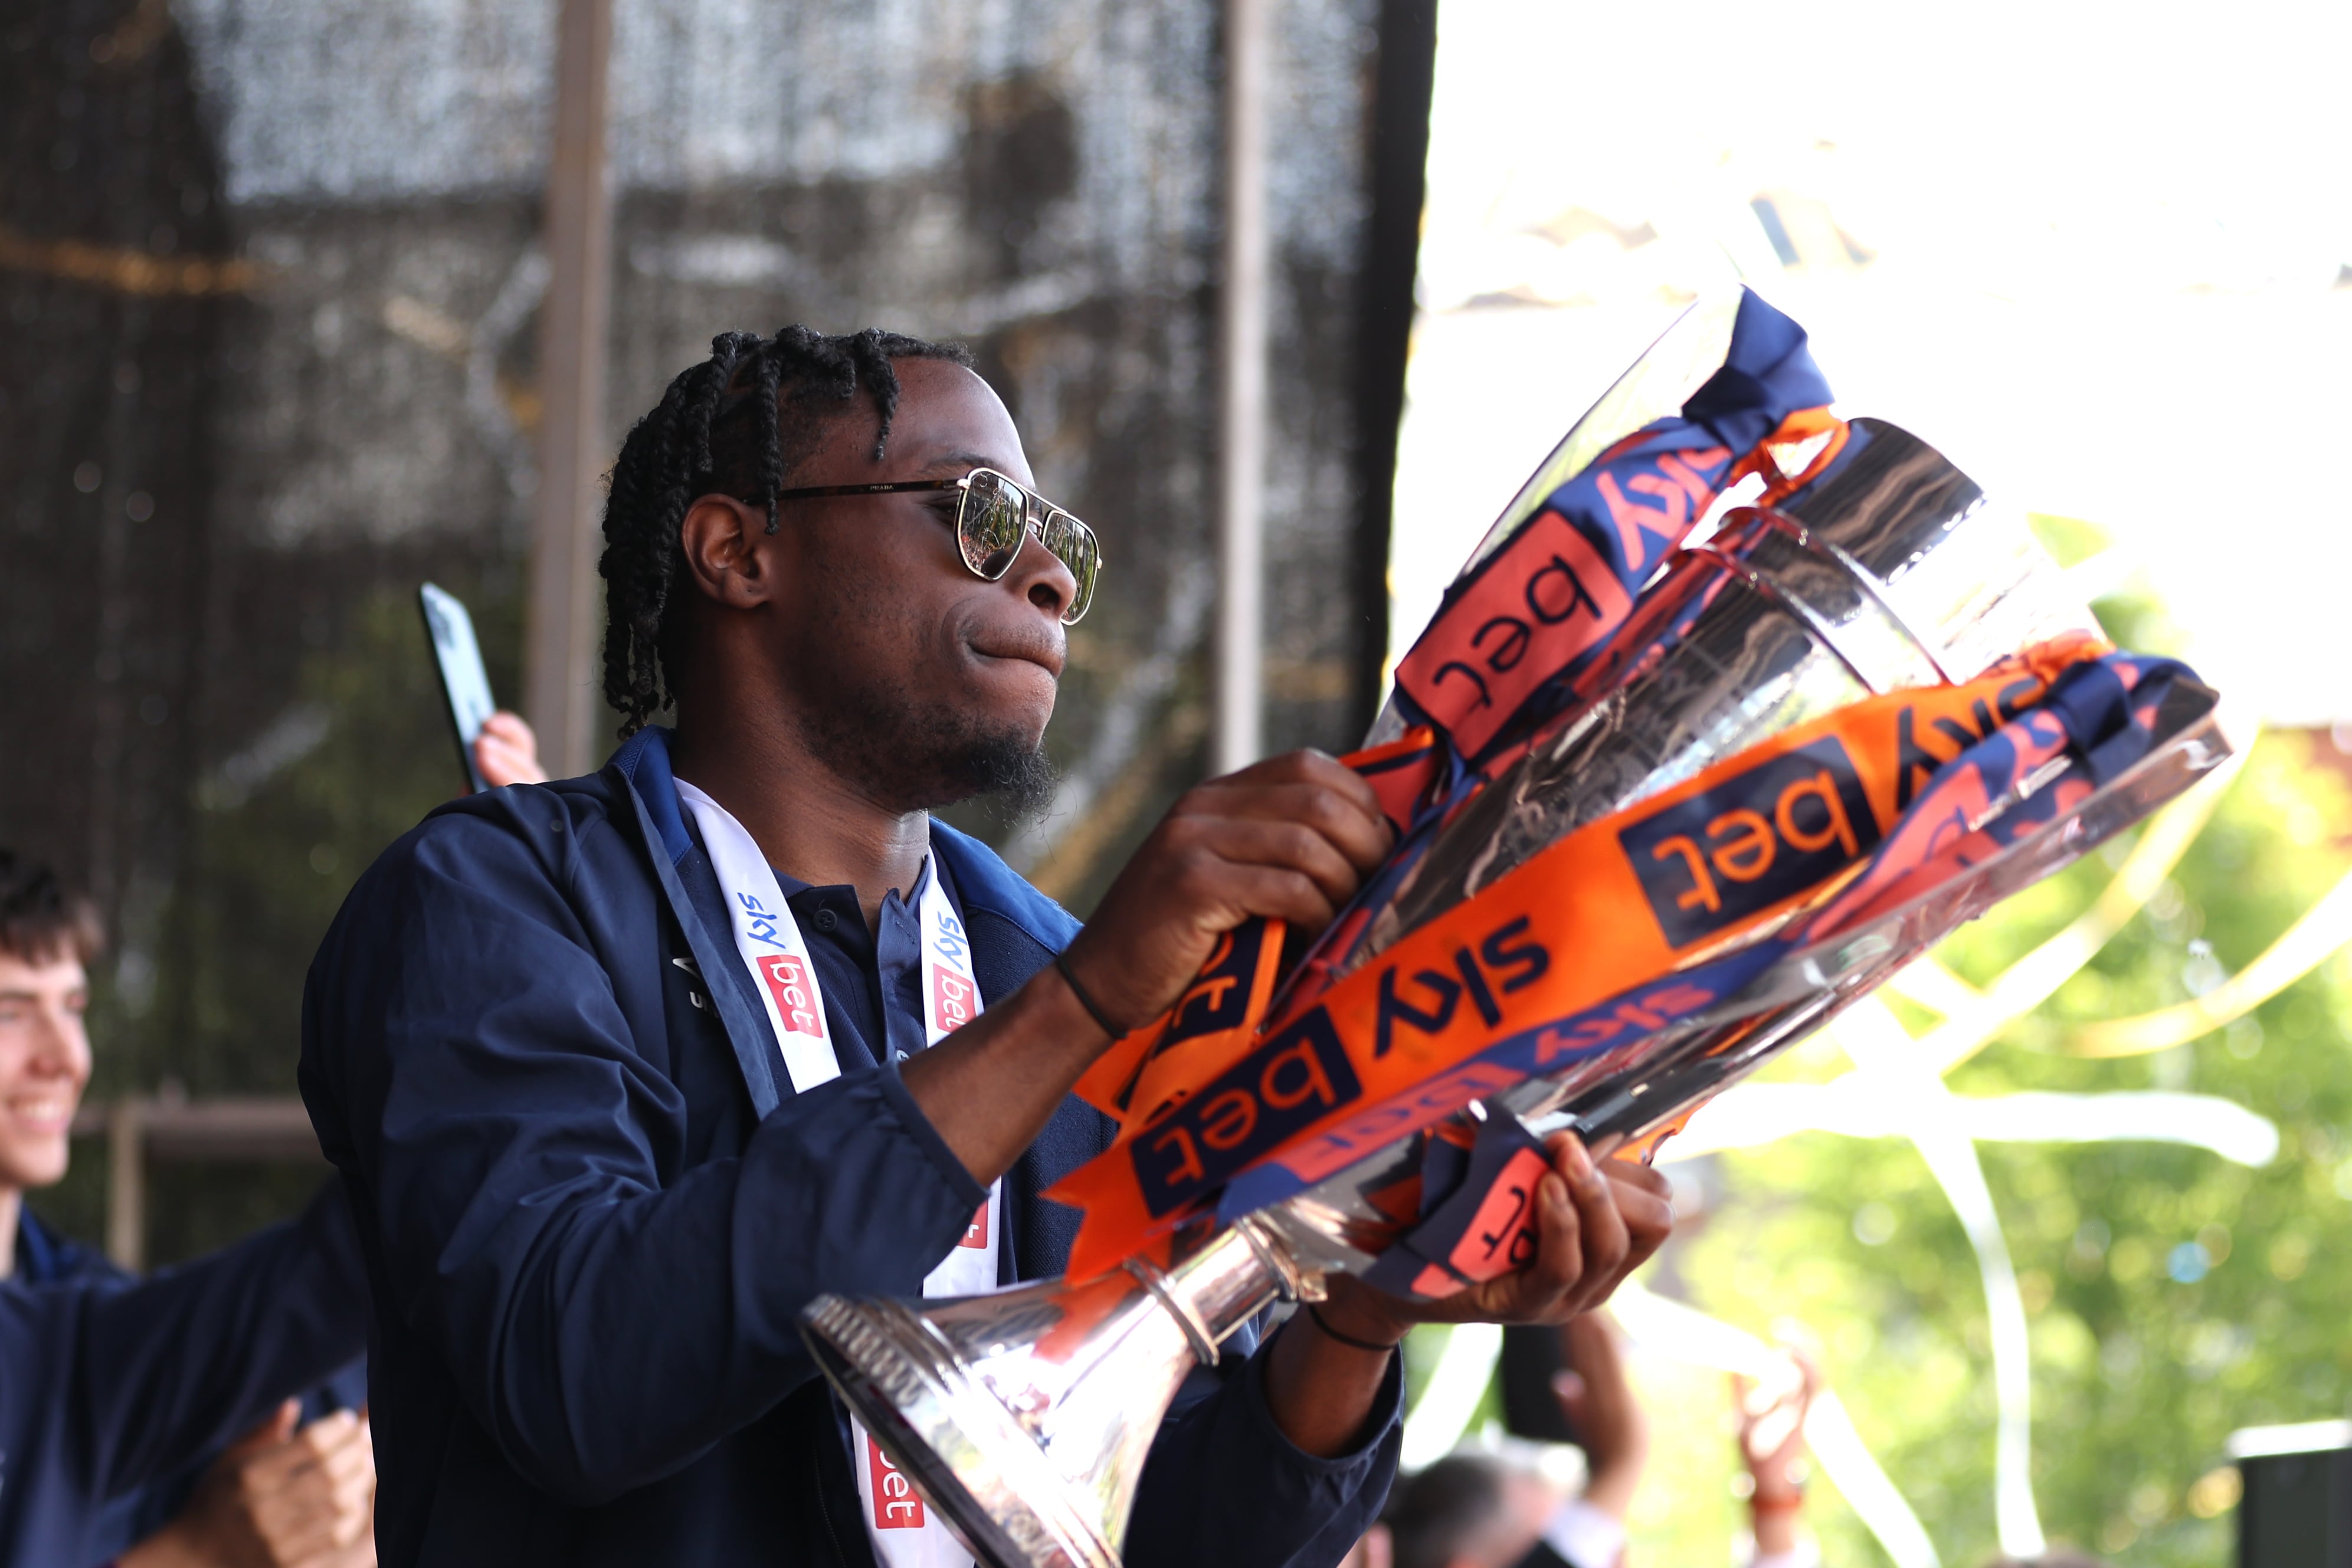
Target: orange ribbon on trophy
[(1230, 994), (1644, 897)]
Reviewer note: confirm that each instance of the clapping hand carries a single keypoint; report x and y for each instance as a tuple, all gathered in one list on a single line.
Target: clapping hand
[(280, 1498)]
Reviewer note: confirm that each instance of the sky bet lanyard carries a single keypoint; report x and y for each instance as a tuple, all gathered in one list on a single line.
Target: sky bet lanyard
[(905, 1533)]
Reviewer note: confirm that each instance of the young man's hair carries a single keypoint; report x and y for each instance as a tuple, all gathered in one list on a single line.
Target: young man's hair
[(735, 424), (40, 922), (1446, 1512)]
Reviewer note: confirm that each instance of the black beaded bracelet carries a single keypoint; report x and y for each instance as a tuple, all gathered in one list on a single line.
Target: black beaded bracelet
[(1349, 1339), (1061, 962)]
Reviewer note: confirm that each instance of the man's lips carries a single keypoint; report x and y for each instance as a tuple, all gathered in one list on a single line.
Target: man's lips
[(1044, 656), (39, 1113)]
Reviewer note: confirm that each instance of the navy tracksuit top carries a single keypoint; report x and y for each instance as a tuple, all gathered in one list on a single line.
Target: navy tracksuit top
[(592, 1207)]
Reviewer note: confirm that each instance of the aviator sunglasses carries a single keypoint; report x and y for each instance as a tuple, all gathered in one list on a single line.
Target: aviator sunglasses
[(993, 516)]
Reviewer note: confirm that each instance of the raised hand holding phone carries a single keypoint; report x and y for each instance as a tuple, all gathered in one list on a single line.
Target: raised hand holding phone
[(496, 747), (464, 681)]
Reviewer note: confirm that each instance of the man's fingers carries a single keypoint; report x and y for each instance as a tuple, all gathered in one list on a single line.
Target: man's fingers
[(1640, 1179), (1601, 1229), (333, 1430), (1596, 1221), (1283, 846), (1290, 839), (294, 1521), (1361, 834), (1279, 894), (356, 1458), (354, 1500), (507, 752), (331, 1440), (1532, 1294), (266, 1435), (1645, 1198), (303, 1461), (1307, 766)]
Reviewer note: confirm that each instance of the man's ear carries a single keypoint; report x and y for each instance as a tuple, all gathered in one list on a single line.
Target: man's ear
[(723, 539)]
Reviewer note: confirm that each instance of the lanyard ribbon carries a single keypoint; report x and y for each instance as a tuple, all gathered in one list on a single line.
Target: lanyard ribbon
[(1522, 623), (1570, 964), (903, 1532), (1470, 1211)]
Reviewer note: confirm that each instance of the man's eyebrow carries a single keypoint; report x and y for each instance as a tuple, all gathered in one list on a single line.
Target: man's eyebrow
[(965, 460)]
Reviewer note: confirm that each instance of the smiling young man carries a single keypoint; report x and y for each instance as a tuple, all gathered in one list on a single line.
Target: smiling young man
[(115, 1394), (624, 1071)]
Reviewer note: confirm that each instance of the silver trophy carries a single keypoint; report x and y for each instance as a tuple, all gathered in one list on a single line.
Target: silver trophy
[(1026, 1417)]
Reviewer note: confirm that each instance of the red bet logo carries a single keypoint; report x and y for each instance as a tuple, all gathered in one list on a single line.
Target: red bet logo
[(1547, 599), (951, 998), (788, 978), (976, 1233), (1502, 1235), (895, 1506)]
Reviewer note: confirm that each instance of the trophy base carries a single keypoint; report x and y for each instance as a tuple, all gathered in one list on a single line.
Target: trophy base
[(966, 1454)]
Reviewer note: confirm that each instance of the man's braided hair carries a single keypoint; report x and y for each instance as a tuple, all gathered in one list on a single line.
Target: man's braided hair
[(735, 424)]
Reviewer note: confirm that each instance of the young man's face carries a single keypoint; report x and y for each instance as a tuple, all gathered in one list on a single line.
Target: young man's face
[(925, 683), (44, 1065)]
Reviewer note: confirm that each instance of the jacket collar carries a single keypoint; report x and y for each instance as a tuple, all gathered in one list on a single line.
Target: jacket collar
[(643, 763), (639, 771), (983, 881)]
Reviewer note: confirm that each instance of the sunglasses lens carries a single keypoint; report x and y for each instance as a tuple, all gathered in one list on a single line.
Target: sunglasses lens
[(994, 521), (1073, 544), (989, 528)]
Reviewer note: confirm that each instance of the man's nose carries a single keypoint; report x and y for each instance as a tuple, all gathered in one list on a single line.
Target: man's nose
[(60, 1046), (1040, 576)]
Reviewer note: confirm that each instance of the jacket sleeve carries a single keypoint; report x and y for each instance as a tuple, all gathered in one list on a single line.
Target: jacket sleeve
[(1225, 1486), (606, 1310), (143, 1379)]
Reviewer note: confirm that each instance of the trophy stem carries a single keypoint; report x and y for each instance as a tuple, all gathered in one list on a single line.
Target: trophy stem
[(1025, 1416)]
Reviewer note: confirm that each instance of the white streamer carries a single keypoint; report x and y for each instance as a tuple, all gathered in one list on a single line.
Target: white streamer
[(1859, 1105), (1881, 1047)]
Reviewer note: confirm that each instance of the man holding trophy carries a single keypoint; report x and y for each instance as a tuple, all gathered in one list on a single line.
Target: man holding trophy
[(625, 1073), (643, 1082)]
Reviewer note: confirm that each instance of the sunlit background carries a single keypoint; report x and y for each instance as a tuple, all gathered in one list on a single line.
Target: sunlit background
[(2102, 255)]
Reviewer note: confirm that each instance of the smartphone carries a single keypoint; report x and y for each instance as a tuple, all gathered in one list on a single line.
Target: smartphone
[(464, 681)]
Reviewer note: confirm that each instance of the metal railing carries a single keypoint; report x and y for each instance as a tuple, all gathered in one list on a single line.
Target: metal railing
[(143, 1131)]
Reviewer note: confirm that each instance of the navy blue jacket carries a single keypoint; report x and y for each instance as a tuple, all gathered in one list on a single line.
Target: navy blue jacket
[(593, 1209), (109, 1387)]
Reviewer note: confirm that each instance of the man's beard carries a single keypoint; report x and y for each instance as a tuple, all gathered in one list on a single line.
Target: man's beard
[(913, 754)]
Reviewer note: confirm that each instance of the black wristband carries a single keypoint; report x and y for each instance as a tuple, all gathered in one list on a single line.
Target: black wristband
[(1348, 1339), (1061, 962)]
